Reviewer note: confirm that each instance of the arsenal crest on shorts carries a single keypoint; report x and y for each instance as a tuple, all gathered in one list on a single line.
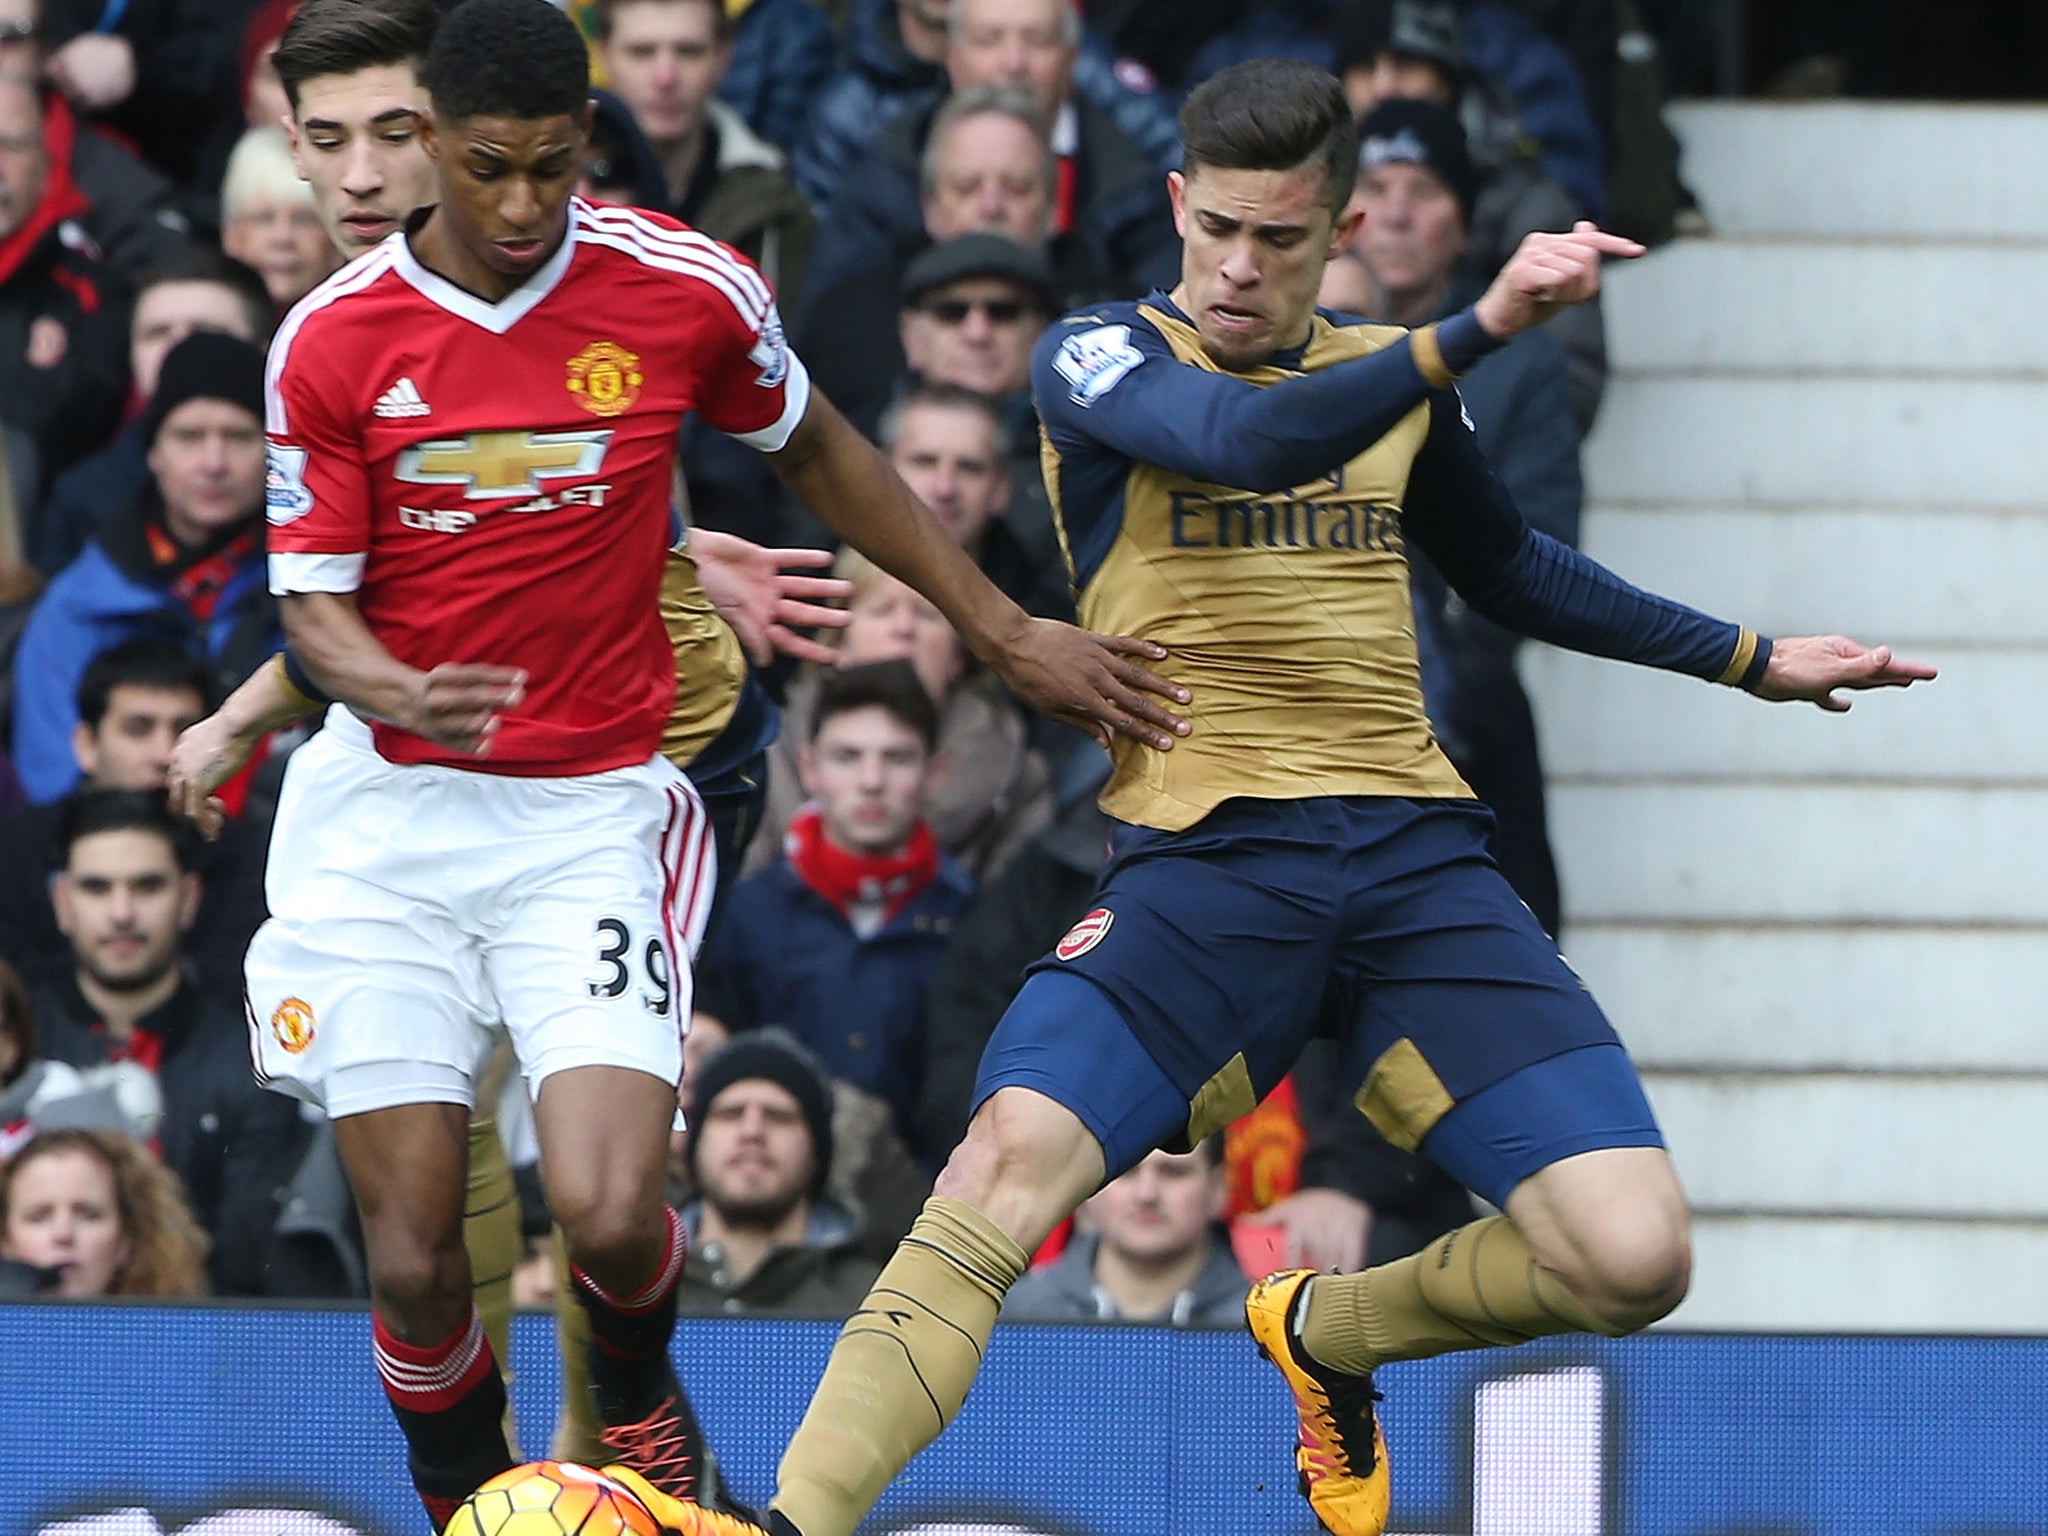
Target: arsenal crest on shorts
[(1084, 935)]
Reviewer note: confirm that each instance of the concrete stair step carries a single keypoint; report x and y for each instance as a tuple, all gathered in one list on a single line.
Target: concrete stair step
[(1763, 851), (1867, 1275), (1826, 997), (1865, 442), (1806, 305), (1858, 1144), (1867, 168)]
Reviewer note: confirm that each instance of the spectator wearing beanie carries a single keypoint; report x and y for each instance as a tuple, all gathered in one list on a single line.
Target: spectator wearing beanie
[(185, 562), (764, 1234)]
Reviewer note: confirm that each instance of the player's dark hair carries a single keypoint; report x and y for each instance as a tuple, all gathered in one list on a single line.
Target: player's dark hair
[(951, 397), (340, 37), (144, 662), (1273, 115), (93, 811), (891, 685), (508, 58), (603, 15), (204, 264)]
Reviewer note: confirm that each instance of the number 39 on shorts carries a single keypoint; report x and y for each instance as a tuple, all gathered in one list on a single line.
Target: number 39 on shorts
[(616, 952)]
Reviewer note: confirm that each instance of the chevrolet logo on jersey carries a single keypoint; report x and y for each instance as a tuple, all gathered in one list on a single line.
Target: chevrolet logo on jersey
[(491, 465)]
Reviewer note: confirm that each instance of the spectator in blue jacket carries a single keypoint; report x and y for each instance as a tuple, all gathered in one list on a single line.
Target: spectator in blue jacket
[(1416, 185), (186, 562), (837, 939)]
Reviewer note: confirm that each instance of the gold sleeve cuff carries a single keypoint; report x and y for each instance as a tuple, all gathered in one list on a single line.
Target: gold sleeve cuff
[(1429, 358), (1738, 664), (294, 695)]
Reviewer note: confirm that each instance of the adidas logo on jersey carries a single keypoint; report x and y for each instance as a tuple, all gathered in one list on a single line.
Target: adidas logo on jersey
[(402, 399)]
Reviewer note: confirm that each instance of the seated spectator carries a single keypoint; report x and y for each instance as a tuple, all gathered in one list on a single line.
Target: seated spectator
[(61, 317), (973, 308), (90, 1213), (186, 560), (1111, 192), (134, 700), (1416, 188), (949, 446), (1413, 50), (195, 288), (765, 1236), (994, 791), (132, 211), (837, 938), (268, 219), (126, 897), (1150, 1247), (894, 56), (666, 60)]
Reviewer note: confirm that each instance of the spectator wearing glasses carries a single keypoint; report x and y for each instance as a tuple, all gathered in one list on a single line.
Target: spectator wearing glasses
[(973, 308)]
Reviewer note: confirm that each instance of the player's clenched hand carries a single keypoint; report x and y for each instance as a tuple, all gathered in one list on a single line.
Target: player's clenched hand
[(1323, 1229), (1547, 273), (1812, 667), (206, 756), (458, 704), (1093, 681), (757, 592)]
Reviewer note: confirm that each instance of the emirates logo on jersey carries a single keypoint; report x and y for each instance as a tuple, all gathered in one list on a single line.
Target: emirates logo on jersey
[(605, 378)]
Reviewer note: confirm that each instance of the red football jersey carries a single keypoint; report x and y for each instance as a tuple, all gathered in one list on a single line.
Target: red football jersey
[(493, 480)]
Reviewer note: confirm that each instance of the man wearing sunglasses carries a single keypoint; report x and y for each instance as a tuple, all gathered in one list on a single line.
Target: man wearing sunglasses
[(973, 307)]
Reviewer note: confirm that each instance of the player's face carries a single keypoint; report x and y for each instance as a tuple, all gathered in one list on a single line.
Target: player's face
[(356, 140), (977, 333), (124, 904), (754, 1154), (169, 312), (63, 1214), (953, 458), (1253, 244), (1413, 232), (284, 240), (1162, 1209), (992, 173), (1020, 43), (208, 463), (867, 770), (505, 188), (131, 748), (665, 60), (888, 621)]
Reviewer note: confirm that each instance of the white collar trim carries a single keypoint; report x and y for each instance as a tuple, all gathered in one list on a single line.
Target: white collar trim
[(507, 312)]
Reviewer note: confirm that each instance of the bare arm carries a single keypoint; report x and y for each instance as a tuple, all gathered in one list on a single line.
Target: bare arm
[(217, 748), (1090, 680)]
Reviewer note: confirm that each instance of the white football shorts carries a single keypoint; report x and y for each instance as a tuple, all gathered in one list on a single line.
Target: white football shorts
[(415, 908)]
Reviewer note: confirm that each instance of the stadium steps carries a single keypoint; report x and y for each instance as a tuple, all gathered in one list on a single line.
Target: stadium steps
[(1826, 938)]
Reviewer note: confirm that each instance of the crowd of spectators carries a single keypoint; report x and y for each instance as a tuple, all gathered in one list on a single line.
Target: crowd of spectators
[(928, 184)]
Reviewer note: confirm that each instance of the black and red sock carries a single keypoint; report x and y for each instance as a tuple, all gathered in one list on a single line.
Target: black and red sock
[(450, 1402)]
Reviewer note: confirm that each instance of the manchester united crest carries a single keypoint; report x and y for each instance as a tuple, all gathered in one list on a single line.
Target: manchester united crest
[(292, 1023), (1085, 934), (605, 378)]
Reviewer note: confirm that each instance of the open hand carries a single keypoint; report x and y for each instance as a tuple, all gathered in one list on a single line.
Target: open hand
[(1547, 273), (458, 704), (756, 591), (1812, 667), (1092, 681)]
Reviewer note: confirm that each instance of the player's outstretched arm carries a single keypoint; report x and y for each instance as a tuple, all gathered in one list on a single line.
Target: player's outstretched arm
[(457, 704), (1548, 272), (758, 592), (217, 748), (1097, 682), (1813, 667)]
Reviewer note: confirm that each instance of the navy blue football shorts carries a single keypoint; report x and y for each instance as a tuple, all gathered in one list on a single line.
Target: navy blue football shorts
[(1213, 955)]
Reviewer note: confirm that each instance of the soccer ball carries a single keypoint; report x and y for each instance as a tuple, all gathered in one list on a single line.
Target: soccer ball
[(552, 1498)]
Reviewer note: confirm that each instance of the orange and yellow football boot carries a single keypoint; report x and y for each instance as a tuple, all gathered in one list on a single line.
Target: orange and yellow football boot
[(1342, 1458), (679, 1517)]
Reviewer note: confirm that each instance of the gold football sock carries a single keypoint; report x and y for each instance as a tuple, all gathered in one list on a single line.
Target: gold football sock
[(1472, 1288), (576, 1429), (901, 1368), (491, 1233)]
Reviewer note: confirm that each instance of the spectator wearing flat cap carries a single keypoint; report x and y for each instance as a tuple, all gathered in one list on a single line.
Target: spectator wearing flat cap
[(185, 562), (764, 1233), (1417, 50)]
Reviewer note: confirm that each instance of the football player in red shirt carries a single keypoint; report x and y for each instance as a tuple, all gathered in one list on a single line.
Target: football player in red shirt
[(471, 434)]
